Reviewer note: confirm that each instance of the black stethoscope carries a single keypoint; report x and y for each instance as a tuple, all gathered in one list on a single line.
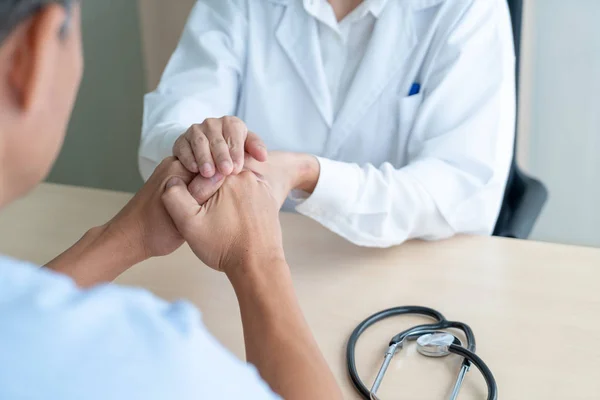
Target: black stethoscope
[(432, 341)]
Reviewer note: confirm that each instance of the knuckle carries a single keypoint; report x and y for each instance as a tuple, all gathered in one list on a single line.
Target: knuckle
[(167, 163), (247, 176), (186, 157), (212, 124), (205, 158), (179, 149), (194, 130), (228, 119), (237, 152), (236, 126), (222, 157), (233, 121), (199, 140), (218, 141)]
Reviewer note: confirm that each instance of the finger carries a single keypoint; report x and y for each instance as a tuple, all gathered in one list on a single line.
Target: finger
[(183, 151), (251, 164), (170, 167), (202, 189), (219, 148), (201, 149), (180, 204), (235, 132), (256, 147)]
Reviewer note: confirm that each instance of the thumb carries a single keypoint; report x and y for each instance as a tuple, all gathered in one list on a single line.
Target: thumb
[(256, 147), (179, 202), (202, 189)]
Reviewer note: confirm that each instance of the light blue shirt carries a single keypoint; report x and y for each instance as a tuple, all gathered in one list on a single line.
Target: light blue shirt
[(60, 342)]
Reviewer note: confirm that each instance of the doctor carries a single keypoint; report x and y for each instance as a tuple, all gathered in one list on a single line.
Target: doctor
[(394, 118)]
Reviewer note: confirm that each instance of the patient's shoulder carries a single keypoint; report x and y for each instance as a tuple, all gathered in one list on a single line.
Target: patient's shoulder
[(108, 338)]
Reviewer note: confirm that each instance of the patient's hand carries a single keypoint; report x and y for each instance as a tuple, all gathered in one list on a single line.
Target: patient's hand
[(237, 228), (218, 145), (143, 229), (144, 224)]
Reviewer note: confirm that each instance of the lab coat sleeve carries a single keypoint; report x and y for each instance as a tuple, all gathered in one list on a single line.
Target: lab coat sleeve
[(460, 148), (201, 80)]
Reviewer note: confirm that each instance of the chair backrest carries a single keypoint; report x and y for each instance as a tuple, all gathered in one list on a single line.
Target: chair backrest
[(525, 196), (516, 16)]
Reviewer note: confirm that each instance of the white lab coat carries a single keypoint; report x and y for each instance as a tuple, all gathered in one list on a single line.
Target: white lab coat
[(393, 167)]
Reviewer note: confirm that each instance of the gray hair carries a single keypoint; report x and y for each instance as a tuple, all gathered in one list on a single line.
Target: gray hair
[(13, 12)]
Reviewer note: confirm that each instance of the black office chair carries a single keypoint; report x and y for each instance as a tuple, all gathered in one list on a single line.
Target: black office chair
[(525, 196)]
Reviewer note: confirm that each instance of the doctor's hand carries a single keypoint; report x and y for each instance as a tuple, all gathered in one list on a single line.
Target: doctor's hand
[(144, 224), (237, 228), (218, 144), (286, 171)]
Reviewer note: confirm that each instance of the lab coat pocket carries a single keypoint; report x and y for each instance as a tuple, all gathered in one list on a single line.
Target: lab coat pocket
[(408, 108)]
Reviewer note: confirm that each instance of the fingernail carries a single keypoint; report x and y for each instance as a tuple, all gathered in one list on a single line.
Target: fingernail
[(173, 182), (194, 167), (207, 169), (216, 178), (226, 166)]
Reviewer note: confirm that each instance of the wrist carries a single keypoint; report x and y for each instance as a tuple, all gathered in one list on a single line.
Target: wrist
[(99, 256), (256, 272), (126, 247), (308, 171)]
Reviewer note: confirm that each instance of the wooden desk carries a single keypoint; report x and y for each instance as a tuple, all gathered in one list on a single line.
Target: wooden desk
[(535, 308)]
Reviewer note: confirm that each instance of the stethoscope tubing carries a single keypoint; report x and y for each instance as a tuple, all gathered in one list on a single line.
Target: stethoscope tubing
[(467, 353), (481, 366), (364, 325)]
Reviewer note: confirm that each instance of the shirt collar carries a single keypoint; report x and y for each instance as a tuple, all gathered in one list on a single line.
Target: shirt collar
[(375, 7)]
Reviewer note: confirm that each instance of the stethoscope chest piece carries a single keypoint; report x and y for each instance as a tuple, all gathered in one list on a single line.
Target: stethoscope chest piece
[(435, 344)]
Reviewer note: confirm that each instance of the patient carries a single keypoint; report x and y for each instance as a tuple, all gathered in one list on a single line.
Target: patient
[(68, 334)]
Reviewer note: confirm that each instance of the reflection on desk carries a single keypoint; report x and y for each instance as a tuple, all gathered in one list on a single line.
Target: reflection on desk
[(534, 307)]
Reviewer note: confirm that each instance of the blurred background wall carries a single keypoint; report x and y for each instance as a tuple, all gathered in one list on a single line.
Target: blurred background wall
[(564, 112), (162, 22), (101, 146)]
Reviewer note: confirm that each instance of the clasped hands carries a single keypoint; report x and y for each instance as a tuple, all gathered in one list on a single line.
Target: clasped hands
[(224, 203)]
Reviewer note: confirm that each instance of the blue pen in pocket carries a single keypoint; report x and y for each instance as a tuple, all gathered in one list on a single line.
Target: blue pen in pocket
[(414, 89)]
